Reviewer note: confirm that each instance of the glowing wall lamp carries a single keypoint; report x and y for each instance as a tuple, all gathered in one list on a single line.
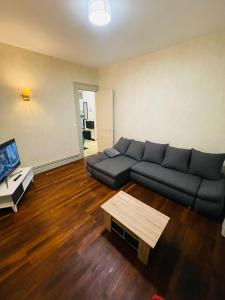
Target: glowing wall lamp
[(26, 94)]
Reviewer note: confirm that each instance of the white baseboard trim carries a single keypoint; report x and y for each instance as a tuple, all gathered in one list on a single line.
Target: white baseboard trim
[(55, 164)]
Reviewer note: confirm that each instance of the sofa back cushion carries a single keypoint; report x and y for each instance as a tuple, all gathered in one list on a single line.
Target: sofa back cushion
[(122, 145), (177, 159), (135, 150), (154, 152), (206, 165)]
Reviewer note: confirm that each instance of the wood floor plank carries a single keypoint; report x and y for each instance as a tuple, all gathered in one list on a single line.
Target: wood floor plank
[(56, 246)]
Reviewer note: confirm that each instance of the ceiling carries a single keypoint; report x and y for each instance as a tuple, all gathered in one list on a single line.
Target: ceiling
[(60, 28)]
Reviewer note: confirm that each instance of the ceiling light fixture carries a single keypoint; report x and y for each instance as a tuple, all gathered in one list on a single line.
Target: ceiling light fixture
[(99, 12)]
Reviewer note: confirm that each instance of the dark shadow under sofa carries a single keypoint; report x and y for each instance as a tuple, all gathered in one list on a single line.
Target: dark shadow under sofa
[(190, 177)]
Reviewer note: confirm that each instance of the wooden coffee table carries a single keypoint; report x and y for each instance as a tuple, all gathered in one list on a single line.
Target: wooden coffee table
[(136, 222)]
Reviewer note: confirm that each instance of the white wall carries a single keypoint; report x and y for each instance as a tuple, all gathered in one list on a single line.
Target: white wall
[(45, 128), (175, 95)]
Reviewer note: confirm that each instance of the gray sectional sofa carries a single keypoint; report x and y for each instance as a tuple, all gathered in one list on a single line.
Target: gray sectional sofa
[(190, 177)]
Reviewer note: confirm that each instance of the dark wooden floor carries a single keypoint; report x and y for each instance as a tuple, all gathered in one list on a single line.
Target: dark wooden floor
[(56, 247)]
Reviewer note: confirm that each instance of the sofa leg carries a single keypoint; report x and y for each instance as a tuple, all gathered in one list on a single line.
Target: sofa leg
[(14, 207), (223, 228)]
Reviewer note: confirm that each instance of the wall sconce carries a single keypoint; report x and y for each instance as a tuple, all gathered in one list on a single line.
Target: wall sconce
[(26, 94)]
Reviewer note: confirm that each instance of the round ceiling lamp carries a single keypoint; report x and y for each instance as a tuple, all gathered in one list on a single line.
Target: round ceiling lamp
[(99, 12)]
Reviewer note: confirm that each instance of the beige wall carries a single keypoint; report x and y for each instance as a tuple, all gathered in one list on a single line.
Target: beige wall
[(175, 95), (45, 128)]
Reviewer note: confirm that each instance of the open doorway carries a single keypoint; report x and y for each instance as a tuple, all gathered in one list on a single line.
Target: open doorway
[(88, 121), (94, 115)]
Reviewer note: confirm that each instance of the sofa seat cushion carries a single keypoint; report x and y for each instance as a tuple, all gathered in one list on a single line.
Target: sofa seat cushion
[(184, 182), (212, 190), (163, 189), (116, 165), (93, 160)]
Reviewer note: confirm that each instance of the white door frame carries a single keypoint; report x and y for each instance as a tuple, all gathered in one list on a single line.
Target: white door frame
[(104, 113), (85, 87)]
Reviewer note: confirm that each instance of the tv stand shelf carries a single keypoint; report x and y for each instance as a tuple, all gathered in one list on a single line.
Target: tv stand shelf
[(11, 191)]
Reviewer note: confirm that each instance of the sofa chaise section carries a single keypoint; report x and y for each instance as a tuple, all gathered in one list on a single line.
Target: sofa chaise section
[(93, 160), (115, 171)]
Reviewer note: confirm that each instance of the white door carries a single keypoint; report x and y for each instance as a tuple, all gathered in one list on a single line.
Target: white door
[(104, 119)]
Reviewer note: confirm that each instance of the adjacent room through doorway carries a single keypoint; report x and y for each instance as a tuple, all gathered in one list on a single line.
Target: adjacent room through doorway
[(88, 121)]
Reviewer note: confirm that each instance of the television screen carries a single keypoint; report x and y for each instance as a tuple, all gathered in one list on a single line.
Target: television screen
[(9, 159)]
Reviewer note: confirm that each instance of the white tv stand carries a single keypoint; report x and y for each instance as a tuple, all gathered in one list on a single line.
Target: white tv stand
[(12, 191)]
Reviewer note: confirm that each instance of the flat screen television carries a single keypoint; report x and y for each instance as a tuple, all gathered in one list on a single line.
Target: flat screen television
[(9, 159)]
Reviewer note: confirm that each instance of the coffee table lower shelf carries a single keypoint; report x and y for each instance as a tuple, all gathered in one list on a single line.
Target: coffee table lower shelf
[(142, 248)]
